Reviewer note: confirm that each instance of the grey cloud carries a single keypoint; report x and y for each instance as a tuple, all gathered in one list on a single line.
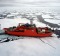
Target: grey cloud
[(29, 0), (35, 2)]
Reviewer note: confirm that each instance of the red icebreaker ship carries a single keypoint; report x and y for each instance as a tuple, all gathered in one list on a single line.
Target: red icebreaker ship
[(29, 30)]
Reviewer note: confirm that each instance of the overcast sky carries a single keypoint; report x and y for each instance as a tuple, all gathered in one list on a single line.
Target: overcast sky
[(30, 2)]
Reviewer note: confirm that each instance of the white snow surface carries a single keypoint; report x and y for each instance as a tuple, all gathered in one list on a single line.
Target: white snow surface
[(39, 24), (31, 47), (54, 21), (46, 16), (5, 23)]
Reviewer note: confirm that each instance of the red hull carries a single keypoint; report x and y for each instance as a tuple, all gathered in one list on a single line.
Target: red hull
[(28, 32)]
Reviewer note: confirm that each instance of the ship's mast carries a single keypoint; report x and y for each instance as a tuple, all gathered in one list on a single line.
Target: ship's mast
[(31, 20), (0, 26)]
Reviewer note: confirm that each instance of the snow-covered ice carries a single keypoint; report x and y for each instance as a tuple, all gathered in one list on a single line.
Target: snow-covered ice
[(5, 23), (28, 46), (47, 16), (31, 47), (54, 21)]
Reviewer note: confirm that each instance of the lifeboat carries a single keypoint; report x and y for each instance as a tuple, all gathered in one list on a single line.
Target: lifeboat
[(29, 30)]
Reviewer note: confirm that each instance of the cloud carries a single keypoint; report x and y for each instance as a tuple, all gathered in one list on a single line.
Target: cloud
[(6, 0), (22, 1), (30, 2)]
